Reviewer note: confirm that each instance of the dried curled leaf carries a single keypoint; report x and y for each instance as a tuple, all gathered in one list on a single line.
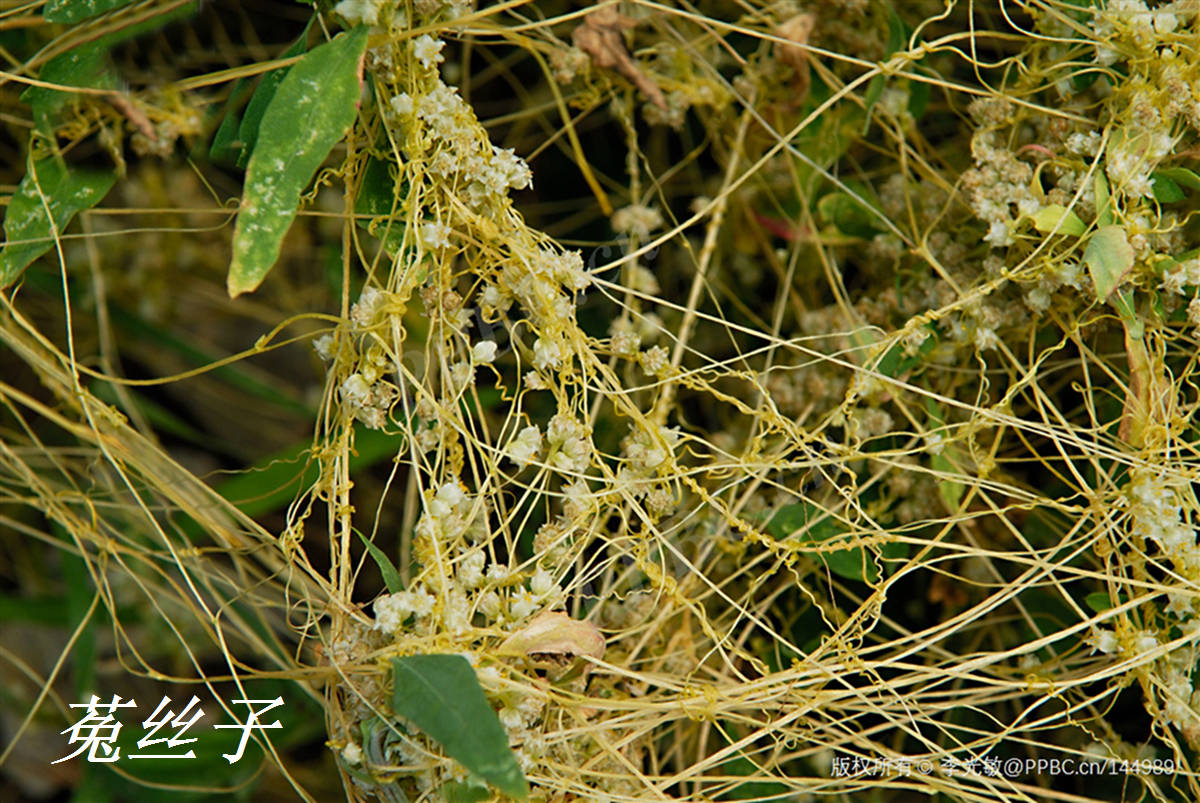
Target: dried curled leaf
[(796, 31), (555, 635), (600, 37)]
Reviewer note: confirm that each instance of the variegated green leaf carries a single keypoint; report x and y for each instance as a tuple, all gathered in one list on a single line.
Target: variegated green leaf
[(48, 184), (68, 11), (310, 112)]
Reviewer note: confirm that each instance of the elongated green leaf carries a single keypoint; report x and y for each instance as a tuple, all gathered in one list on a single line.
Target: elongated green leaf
[(441, 695), (1109, 256), (1058, 219), (87, 66), (29, 231), (256, 109), (68, 11), (391, 577), (227, 141), (1181, 176), (311, 110), (1166, 190), (1103, 200)]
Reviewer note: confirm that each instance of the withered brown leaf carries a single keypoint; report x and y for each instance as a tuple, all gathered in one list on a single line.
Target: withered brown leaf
[(599, 35)]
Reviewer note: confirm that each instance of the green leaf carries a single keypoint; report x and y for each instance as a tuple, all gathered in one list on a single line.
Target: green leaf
[(441, 695), (1166, 190), (849, 215), (391, 577), (87, 66), (227, 145), (377, 198), (950, 460), (468, 791), (310, 113), (1109, 256), (1058, 219), (1181, 176), (1104, 215), (809, 524), (1099, 601), (256, 109), (68, 11), (29, 232)]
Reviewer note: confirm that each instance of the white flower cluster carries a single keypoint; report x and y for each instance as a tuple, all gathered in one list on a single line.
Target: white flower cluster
[(1156, 515), (636, 220), (451, 514), (1180, 276), (999, 189), (544, 287), (645, 450), (442, 133), (364, 393), (569, 446), (1135, 151), (1131, 24), (627, 335)]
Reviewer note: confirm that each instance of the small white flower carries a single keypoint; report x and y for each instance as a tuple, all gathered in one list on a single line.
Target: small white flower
[(449, 498), (484, 351), (546, 353), (1104, 641), (355, 391), (428, 50), (542, 583), (402, 104), (352, 754), (358, 12), (523, 448), (655, 361), (324, 346), (435, 235)]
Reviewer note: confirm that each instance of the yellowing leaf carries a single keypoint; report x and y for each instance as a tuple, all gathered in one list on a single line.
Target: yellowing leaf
[(1057, 219), (556, 634), (1109, 256), (309, 113)]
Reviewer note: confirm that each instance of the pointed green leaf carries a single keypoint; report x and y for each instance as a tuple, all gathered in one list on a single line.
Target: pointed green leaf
[(227, 142), (311, 111), (1181, 176), (256, 109), (1057, 219), (85, 66), (1109, 256), (1103, 200), (68, 11), (441, 695), (29, 232), (1166, 190), (391, 577)]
